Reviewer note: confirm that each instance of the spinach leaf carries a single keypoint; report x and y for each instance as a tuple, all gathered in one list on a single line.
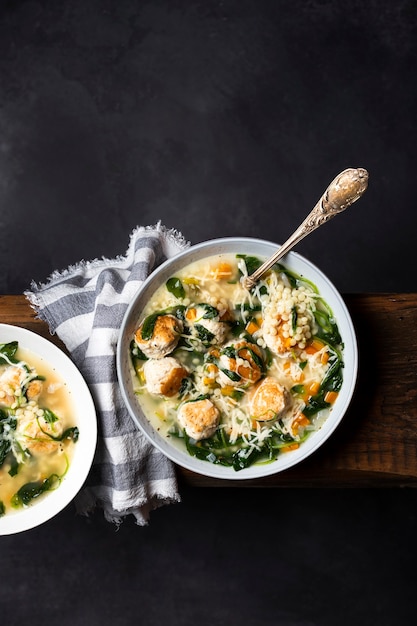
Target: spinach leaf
[(294, 318), (334, 376), (210, 312), (219, 451), (149, 325), (177, 311), (5, 443), (315, 404), (185, 387), (203, 334), (8, 350), (32, 490), (70, 433), (252, 262), (14, 467), (232, 375), (4, 450), (298, 389), (49, 416), (136, 352), (2, 509), (327, 327), (238, 327), (255, 357), (175, 286), (331, 382), (247, 306)]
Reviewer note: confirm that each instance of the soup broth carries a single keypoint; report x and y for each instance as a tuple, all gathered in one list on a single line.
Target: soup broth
[(234, 376), (37, 430)]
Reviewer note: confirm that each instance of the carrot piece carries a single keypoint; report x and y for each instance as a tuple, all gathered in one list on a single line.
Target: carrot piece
[(314, 346), (291, 446), (314, 388), (330, 397), (252, 327), (191, 314), (310, 350), (222, 271), (287, 342), (227, 390), (324, 357), (300, 422)]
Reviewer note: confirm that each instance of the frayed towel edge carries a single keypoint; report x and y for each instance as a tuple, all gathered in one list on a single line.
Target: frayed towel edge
[(172, 236)]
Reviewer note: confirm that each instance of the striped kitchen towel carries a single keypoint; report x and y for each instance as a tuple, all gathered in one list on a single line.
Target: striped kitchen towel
[(85, 305)]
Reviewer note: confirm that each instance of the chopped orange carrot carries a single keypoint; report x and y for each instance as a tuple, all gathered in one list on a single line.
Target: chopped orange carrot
[(291, 446), (191, 314), (222, 271), (330, 397), (314, 346), (252, 327), (287, 342), (300, 422), (314, 388), (227, 390), (324, 357)]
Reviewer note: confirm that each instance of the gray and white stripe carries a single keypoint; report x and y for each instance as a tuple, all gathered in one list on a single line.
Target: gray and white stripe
[(85, 306)]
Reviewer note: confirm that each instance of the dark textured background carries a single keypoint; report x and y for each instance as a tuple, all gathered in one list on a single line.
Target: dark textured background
[(218, 118)]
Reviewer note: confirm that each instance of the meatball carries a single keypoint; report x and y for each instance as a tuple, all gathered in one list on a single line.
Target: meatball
[(164, 376), (33, 432), (205, 323), (165, 336), (13, 383), (240, 364), (199, 418), (269, 400)]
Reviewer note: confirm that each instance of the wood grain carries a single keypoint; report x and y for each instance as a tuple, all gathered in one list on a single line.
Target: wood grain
[(376, 443)]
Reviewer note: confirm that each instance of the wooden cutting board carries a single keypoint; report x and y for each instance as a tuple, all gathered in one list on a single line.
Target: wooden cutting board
[(376, 443)]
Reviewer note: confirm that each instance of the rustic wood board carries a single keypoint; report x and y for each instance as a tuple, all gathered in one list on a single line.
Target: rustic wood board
[(376, 443)]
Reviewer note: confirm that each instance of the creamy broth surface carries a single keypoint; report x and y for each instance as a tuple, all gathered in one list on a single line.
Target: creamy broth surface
[(269, 361)]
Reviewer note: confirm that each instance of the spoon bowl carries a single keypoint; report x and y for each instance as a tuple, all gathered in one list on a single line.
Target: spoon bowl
[(344, 190)]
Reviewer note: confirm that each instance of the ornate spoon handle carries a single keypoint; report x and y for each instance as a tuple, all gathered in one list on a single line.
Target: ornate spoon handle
[(343, 191)]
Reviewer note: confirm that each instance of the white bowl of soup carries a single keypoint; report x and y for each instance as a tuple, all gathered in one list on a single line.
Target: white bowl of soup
[(231, 383), (48, 430)]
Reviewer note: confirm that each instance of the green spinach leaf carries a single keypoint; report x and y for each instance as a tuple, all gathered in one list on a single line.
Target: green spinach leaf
[(175, 286)]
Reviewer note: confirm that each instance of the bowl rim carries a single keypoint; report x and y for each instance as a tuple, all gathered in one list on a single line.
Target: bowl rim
[(316, 439), (55, 501)]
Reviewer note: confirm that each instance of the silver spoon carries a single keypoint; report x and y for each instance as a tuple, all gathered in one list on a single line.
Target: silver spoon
[(344, 190)]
